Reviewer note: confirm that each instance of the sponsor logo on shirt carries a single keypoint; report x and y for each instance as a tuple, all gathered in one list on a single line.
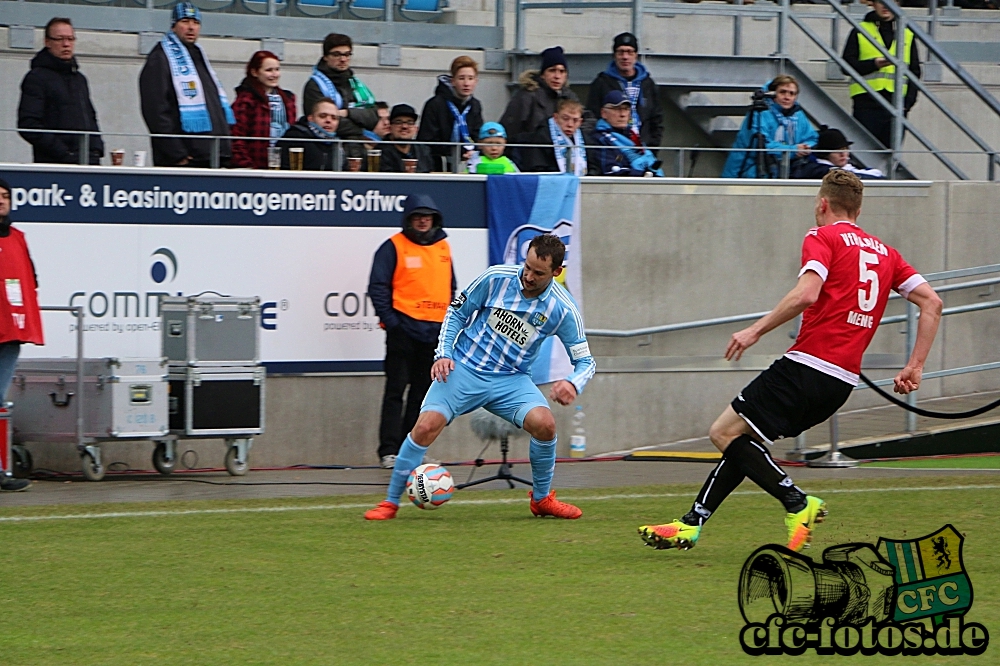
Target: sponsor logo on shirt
[(459, 301), (508, 325), (579, 351)]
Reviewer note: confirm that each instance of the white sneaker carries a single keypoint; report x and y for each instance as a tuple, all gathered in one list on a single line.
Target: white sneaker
[(388, 462)]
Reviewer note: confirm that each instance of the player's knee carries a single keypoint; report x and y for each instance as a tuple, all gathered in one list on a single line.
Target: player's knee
[(428, 426), (721, 436), (541, 424)]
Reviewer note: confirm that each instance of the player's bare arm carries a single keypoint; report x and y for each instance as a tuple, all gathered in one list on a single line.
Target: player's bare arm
[(441, 368), (803, 294), (925, 298), (563, 392)]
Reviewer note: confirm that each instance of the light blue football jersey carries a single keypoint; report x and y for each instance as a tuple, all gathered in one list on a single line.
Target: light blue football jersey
[(492, 327)]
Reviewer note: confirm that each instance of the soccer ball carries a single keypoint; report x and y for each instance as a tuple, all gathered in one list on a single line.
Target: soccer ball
[(430, 486)]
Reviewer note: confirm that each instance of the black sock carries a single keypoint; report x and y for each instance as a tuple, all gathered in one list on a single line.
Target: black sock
[(723, 480), (757, 464)]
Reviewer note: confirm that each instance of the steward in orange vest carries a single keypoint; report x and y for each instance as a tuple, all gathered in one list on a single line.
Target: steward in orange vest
[(411, 284)]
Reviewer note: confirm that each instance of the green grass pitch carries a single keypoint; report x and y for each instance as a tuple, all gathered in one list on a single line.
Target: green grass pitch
[(476, 582)]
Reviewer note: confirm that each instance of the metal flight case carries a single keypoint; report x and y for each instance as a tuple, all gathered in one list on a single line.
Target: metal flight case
[(113, 399), (216, 380)]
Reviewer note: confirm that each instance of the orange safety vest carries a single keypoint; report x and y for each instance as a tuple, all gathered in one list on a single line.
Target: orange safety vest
[(421, 285)]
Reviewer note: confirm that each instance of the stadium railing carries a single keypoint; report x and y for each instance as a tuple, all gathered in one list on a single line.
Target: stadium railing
[(909, 319), (786, 16), (680, 161)]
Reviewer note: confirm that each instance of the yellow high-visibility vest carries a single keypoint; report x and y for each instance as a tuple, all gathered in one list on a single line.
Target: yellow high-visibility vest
[(885, 78)]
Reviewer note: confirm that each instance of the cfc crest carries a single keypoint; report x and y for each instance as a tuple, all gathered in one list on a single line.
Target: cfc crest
[(930, 576), (537, 319)]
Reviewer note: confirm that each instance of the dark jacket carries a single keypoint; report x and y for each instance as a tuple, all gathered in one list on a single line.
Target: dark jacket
[(437, 120), (384, 267), (649, 108), (55, 95), (162, 113), (357, 120), (392, 157), (615, 161), (253, 118), (317, 155), (530, 108), (543, 158), (887, 29)]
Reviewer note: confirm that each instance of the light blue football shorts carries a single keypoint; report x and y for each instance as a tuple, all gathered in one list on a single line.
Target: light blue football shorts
[(510, 397)]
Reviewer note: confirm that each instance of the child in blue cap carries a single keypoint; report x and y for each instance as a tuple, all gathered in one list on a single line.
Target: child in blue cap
[(490, 158)]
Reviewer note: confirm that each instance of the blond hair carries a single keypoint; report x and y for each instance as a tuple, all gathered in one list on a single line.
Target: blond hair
[(844, 191), (783, 79)]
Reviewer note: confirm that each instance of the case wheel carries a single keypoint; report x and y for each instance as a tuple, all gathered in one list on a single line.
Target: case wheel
[(92, 470), (233, 466), (160, 462), (23, 462)]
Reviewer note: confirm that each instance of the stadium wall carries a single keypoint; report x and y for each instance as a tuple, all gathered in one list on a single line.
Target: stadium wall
[(657, 252)]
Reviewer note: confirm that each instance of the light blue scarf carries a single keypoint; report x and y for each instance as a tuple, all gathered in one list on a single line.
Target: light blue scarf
[(327, 88), (460, 128), (639, 159), (189, 88), (562, 145)]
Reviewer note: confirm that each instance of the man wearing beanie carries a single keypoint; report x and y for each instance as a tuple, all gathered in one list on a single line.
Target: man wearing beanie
[(20, 318), (832, 151), (181, 94), (535, 102), (626, 74)]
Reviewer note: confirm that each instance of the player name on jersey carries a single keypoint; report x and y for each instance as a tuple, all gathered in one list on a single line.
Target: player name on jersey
[(864, 321), (851, 238), (510, 326)]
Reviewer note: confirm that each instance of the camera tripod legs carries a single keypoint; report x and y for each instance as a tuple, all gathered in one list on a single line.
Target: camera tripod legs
[(505, 472)]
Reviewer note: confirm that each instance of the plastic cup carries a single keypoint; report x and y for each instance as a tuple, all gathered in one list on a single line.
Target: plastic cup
[(139, 158), (410, 165), (117, 157), (273, 157), (354, 164), (374, 160), (295, 157)]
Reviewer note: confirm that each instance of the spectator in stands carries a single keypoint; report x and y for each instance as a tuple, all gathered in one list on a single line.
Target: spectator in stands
[(321, 123), (412, 281), (181, 94), (20, 317), (262, 109), (535, 102), (859, 52), (625, 73), (627, 156), (403, 127), (832, 151), (333, 77), (780, 126), (453, 114), (382, 126), (489, 159), (55, 95), (560, 142)]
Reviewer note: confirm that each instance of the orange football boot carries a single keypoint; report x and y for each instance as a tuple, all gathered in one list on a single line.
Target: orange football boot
[(550, 506)]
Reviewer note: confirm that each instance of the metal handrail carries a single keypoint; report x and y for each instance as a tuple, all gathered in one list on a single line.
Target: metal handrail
[(733, 319)]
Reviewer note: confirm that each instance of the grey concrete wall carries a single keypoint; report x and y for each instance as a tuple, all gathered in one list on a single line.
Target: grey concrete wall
[(657, 252)]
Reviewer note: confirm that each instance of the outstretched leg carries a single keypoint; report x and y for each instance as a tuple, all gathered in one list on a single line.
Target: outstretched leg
[(429, 425)]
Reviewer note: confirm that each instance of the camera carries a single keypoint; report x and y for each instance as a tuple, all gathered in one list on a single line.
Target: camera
[(759, 99), (852, 584)]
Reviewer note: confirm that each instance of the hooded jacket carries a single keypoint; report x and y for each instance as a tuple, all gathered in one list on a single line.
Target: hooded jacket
[(55, 95), (783, 130), (887, 29), (530, 108), (162, 114), (253, 118), (380, 283), (358, 119), (648, 107), (437, 120)]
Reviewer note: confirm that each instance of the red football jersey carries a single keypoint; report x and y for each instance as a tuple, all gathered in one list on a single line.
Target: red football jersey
[(858, 270)]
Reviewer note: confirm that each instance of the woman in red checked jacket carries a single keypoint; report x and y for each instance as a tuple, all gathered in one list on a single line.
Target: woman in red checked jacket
[(20, 318), (262, 109)]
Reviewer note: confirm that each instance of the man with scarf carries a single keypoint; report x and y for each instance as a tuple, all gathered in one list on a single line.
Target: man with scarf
[(626, 156), (453, 115), (333, 77), (782, 128), (20, 317), (626, 74), (181, 94), (560, 142), (321, 123), (412, 281)]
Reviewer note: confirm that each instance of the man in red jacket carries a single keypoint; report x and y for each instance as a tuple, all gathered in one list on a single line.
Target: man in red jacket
[(20, 318)]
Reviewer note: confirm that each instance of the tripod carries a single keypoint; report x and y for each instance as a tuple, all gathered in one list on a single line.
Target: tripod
[(503, 474)]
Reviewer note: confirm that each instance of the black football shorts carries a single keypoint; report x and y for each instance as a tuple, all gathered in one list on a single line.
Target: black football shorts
[(789, 398)]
